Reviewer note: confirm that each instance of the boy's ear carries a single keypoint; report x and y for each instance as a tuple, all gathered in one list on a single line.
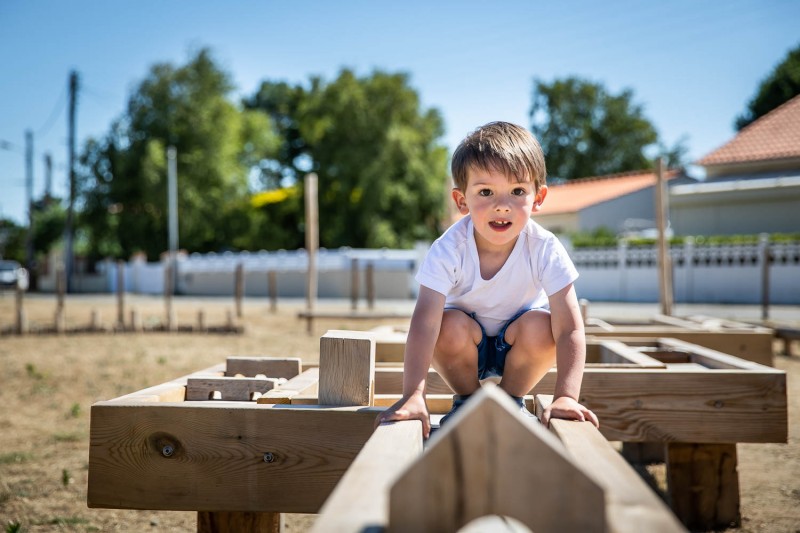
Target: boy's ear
[(540, 196), (461, 201)]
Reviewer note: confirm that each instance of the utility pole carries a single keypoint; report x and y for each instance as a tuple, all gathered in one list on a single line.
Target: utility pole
[(48, 177), (29, 198), (664, 258), (172, 208), (69, 231)]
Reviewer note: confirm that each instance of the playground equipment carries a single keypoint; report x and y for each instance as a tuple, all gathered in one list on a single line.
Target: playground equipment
[(251, 448)]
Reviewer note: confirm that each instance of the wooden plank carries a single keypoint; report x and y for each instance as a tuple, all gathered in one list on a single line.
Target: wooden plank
[(476, 466), (613, 351), (703, 485), (346, 368), (210, 456), (357, 315), (228, 389), (225, 522), (391, 346), (753, 345), (713, 358), (360, 501), (437, 403), (305, 383), (390, 381), (271, 367), (171, 391), (631, 506)]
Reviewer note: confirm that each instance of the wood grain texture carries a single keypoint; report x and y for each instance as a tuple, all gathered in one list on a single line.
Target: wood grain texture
[(229, 389), (305, 383), (631, 506), (346, 368), (237, 522), (703, 485), (271, 367), (489, 460), (360, 501), (215, 455)]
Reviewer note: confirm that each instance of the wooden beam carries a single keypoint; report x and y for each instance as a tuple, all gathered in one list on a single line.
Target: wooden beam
[(703, 485), (631, 506), (489, 460), (224, 522), (229, 389), (221, 456), (305, 383), (360, 501), (271, 367), (346, 368)]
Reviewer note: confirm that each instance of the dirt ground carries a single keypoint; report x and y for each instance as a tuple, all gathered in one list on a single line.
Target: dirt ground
[(50, 382)]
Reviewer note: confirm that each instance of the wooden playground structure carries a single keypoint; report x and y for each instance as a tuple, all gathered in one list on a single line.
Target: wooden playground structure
[(254, 437)]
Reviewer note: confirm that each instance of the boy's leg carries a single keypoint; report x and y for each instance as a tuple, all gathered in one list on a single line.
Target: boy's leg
[(456, 354), (532, 353)]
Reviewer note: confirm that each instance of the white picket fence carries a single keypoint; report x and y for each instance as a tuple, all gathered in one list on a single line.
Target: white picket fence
[(701, 274)]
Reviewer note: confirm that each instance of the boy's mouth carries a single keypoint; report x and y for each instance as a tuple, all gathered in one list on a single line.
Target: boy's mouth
[(500, 224)]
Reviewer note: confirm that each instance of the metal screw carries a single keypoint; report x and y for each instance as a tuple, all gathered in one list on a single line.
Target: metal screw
[(167, 450), (719, 404), (269, 457)]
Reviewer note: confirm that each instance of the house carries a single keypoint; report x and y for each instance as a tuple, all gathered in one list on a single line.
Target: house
[(752, 182), (622, 202)]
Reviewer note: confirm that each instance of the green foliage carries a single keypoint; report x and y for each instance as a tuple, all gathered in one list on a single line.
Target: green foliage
[(782, 84), (604, 238), (14, 457), (381, 167), (66, 477), (75, 410), (586, 131), (599, 238), (13, 527), (124, 178), (12, 241), (32, 372)]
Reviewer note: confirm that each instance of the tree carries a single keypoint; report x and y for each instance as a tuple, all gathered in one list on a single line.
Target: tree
[(586, 131), (123, 186), (780, 86), (381, 167)]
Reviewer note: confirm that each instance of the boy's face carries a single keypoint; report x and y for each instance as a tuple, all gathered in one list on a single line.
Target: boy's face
[(500, 207)]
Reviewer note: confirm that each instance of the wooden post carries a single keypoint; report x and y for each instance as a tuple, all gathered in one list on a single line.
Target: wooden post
[(272, 289), (61, 287), (354, 281), (312, 243), (584, 303), (136, 321), (765, 259), (346, 368), (703, 485), (94, 320), (370, 274), (238, 289), (121, 294), (234, 522), (662, 223), (201, 320), (22, 323), (168, 291)]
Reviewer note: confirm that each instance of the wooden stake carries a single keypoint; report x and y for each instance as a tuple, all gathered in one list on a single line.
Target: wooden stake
[(664, 259), (370, 285), (61, 287), (763, 244), (354, 281), (121, 294), (235, 522), (312, 243), (22, 323), (239, 288), (168, 291)]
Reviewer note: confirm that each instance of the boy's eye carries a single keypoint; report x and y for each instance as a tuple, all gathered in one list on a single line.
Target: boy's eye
[(485, 192), (519, 191)]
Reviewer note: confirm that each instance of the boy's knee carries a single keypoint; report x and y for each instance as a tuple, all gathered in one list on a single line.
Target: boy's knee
[(458, 329), (532, 329)]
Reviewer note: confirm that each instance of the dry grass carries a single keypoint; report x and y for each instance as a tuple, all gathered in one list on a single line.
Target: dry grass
[(50, 382)]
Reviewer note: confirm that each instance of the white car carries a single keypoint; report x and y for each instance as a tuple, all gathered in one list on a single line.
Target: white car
[(12, 274)]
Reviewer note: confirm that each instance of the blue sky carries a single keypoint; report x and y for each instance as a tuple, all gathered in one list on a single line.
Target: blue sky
[(693, 65)]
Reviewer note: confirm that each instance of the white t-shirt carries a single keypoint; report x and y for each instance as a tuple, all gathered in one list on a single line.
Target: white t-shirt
[(538, 267)]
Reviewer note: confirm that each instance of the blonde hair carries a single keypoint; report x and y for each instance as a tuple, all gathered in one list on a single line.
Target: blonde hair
[(503, 147)]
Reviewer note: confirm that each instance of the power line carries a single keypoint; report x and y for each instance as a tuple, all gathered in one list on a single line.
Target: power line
[(54, 115)]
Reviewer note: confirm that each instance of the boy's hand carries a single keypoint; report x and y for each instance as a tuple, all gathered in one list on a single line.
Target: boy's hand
[(411, 408), (566, 407)]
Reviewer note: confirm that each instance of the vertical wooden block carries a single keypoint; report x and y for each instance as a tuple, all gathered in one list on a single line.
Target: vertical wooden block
[(234, 522), (346, 368), (703, 485)]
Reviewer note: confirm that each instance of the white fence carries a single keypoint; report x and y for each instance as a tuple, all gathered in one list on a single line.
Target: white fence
[(701, 274)]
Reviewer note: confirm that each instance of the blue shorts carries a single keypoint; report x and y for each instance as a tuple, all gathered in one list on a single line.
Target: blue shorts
[(492, 351)]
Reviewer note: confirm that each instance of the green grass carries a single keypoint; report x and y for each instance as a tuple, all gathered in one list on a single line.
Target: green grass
[(68, 437), (14, 457)]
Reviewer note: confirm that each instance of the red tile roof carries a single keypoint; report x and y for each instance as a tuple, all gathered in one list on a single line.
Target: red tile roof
[(575, 195), (776, 135)]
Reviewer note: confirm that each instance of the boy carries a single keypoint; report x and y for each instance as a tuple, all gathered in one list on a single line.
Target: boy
[(496, 295)]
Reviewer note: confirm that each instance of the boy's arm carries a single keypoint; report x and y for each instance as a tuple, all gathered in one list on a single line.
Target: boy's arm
[(422, 334), (570, 339)]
